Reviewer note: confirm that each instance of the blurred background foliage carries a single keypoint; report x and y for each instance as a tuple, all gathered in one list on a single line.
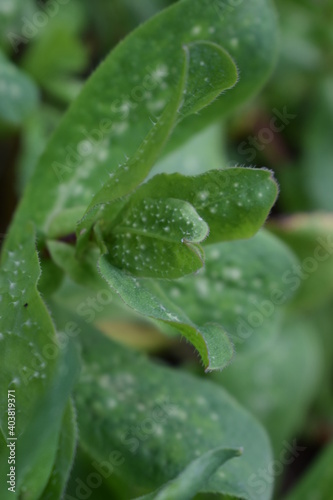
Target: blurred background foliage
[(288, 383)]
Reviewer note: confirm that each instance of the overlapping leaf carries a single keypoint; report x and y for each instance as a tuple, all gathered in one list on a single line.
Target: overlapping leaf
[(240, 287), (159, 421), (234, 202), (113, 118), (139, 236), (32, 364), (194, 478), (116, 117), (184, 101), (211, 341), (158, 238)]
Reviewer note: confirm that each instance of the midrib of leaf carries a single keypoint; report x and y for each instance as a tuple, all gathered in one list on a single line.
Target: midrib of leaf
[(148, 234), (129, 175), (134, 171), (139, 165)]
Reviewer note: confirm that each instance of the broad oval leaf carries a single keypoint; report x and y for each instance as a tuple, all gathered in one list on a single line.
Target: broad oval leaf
[(234, 202), (157, 238), (121, 393)]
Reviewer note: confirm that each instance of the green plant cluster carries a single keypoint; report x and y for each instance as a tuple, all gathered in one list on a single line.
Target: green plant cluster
[(161, 343)]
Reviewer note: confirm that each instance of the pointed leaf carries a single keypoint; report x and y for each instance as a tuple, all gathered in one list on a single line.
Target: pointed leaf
[(211, 341)]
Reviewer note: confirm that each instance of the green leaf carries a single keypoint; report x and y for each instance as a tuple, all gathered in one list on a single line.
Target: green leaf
[(200, 153), (8, 11), (56, 54), (18, 94), (114, 117), (27, 332), (279, 398), (240, 287), (35, 133), (194, 478), (205, 55), (38, 444), (33, 365), (83, 271), (234, 202), (129, 175), (153, 235), (159, 421), (318, 481), (82, 468), (310, 236), (157, 238), (147, 298), (64, 458), (318, 150)]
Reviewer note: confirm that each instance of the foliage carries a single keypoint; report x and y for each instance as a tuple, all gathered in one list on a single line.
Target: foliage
[(140, 228)]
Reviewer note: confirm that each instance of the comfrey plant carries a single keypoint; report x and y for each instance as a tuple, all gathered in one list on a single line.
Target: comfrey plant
[(114, 249)]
